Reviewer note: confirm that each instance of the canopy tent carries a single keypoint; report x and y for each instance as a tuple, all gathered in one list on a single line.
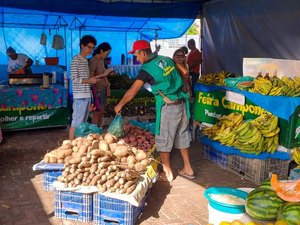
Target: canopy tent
[(119, 23), (234, 29)]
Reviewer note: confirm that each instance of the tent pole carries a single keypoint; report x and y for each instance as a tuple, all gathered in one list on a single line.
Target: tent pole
[(65, 34)]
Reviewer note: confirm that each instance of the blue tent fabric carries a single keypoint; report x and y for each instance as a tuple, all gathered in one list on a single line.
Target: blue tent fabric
[(163, 9), (22, 29), (288, 105), (233, 151)]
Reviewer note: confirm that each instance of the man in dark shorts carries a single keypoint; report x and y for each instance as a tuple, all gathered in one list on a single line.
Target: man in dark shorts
[(172, 106)]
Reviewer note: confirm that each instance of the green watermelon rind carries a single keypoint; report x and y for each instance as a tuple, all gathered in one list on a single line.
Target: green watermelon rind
[(261, 204), (266, 184), (290, 212)]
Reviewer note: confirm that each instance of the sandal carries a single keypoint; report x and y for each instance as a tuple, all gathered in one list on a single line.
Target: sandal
[(185, 175)]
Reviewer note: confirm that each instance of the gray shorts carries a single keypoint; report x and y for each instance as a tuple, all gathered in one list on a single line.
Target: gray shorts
[(174, 129)]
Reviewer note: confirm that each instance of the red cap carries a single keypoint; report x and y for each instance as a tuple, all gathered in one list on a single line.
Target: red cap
[(139, 45)]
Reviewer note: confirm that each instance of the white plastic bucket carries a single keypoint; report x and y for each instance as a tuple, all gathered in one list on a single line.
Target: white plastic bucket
[(216, 217)]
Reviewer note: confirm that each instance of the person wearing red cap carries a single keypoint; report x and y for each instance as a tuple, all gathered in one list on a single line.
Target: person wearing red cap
[(160, 76)]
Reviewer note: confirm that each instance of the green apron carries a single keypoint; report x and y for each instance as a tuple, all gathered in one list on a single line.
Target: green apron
[(168, 81)]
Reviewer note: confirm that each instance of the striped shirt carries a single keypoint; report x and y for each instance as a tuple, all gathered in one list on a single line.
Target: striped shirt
[(80, 71)]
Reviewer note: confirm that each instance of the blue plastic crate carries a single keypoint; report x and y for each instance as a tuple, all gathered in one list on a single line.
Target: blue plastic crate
[(114, 211), (215, 156), (295, 174), (74, 206), (49, 177)]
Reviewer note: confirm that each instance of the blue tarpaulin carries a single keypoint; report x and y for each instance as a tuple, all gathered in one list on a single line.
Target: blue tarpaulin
[(117, 22)]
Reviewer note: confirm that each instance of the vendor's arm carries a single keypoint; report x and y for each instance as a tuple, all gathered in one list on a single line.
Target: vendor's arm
[(28, 64), (129, 95)]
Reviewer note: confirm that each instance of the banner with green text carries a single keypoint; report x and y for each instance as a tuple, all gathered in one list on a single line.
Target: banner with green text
[(33, 117), (209, 106)]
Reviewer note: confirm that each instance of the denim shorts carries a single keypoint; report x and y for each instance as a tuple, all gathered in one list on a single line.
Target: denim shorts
[(174, 128), (81, 109)]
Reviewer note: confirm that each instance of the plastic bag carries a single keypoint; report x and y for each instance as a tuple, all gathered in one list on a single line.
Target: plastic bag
[(86, 128), (116, 126)]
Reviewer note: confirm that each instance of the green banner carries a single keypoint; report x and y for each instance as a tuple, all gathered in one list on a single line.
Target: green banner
[(209, 106), (34, 117), (143, 97)]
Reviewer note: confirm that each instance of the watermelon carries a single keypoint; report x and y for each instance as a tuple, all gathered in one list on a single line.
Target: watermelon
[(263, 204), (266, 184), (290, 212)]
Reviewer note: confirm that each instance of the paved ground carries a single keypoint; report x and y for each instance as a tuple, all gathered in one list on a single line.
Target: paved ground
[(23, 201)]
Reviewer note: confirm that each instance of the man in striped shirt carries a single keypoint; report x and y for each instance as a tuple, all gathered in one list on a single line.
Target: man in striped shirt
[(81, 83)]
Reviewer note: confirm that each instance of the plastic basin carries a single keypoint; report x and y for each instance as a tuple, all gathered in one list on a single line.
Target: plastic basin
[(223, 207)]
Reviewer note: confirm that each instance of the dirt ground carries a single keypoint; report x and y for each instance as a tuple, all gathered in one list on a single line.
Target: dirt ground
[(24, 202)]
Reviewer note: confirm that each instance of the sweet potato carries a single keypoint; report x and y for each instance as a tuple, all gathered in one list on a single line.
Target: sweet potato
[(109, 138)]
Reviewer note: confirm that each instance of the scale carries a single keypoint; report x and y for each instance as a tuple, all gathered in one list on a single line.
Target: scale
[(28, 79)]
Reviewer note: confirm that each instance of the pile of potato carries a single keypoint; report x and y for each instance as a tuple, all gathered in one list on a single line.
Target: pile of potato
[(99, 160)]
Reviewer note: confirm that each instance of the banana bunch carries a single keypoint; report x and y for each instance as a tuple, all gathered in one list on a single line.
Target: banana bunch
[(226, 136), (249, 139), (215, 78), (267, 124), (275, 86), (296, 155), (231, 121), (262, 85)]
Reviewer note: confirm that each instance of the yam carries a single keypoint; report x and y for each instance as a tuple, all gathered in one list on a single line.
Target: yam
[(109, 138), (75, 160), (67, 146), (47, 159), (53, 160), (105, 159), (145, 162), (121, 151), (139, 167), (102, 188), (103, 145), (66, 142), (90, 137), (61, 179), (94, 180), (140, 155), (131, 189), (113, 147), (60, 161), (131, 159)]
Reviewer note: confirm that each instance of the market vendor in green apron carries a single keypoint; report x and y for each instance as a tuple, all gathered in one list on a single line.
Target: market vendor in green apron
[(159, 75)]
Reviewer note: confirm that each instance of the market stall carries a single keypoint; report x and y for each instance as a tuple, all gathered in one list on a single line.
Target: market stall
[(32, 106)]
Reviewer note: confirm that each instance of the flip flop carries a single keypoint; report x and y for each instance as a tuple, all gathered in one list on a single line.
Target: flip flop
[(184, 174)]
